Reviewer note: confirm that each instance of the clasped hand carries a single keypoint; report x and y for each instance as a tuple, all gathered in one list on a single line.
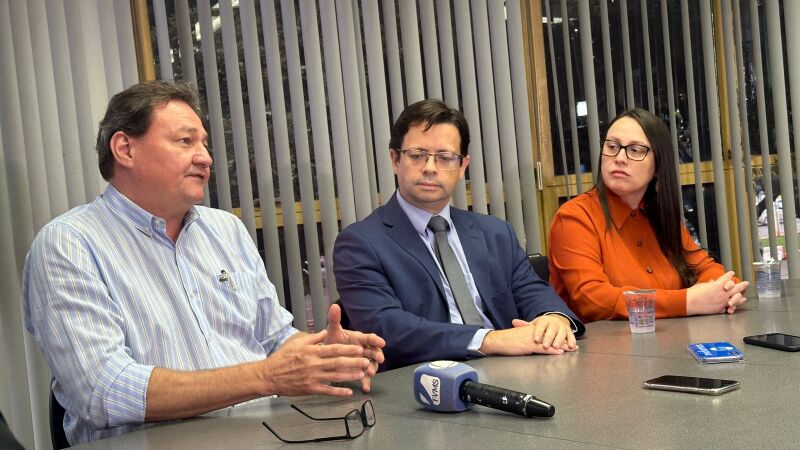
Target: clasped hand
[(718, 296), (549, 334)]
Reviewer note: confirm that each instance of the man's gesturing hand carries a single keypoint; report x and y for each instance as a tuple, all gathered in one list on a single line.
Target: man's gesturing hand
[(302, 365), (371, 343)]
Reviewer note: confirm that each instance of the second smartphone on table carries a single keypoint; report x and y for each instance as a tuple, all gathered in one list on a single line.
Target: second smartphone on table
[(693, 385), (778, 341)]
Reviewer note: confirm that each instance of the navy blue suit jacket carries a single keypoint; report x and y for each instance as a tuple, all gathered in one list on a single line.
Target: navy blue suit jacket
[(390, 285)]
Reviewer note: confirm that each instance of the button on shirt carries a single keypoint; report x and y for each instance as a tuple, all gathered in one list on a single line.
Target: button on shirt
[(108, 296)]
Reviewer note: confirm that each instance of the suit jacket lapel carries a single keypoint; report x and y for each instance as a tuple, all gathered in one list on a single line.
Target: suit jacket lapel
[(402, 231), (474, 245)]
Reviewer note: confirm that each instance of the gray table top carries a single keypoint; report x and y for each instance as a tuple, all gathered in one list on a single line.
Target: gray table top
[(597, 392)]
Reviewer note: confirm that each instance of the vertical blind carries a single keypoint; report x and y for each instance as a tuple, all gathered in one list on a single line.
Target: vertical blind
[(59, 64), (336, 75)]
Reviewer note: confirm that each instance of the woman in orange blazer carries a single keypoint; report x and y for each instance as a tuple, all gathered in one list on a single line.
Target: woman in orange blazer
[(627, 233)]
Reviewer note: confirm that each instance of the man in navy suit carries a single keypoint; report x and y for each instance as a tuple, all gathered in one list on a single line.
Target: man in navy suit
[(395, 273)]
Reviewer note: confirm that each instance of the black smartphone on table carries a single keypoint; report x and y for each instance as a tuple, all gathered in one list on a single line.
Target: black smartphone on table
[(778, 341), (693, 385)]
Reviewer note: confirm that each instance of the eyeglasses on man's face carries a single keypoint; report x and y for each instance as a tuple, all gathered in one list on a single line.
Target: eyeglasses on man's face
[(634, 152), (444, 160), (355, 422)]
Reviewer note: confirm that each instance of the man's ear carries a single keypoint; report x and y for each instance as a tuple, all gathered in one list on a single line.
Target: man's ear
[(122, 149), (395, 156), (464, 165)]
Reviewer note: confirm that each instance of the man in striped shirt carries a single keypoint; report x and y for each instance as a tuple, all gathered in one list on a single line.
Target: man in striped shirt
[(149, 308)]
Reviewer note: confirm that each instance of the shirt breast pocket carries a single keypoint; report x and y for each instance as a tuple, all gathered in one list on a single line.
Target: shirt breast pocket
[(236, 299)]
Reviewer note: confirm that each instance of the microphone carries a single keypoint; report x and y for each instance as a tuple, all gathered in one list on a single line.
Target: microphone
[(452, 386)]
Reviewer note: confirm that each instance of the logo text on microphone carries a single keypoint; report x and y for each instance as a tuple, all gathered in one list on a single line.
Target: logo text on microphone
[(432, 387)]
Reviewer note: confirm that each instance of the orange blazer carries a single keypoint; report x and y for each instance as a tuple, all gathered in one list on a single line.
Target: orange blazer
[(590, 267)]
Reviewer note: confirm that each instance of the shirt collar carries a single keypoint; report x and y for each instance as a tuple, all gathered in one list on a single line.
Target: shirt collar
[(620, 211), (419, 217), (138, 216)]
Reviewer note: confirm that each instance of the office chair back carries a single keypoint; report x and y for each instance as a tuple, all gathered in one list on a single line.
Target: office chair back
[(540, 265), (7, 439), (57, 435)]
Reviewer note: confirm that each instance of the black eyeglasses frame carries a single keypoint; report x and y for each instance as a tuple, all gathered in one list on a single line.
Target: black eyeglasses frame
[(624, 147), (367, 420)]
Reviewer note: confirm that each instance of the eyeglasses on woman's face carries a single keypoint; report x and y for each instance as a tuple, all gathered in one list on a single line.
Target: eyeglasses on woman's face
[(634, 152)]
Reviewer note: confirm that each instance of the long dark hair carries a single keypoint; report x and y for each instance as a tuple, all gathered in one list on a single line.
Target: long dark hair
[(661, 200)]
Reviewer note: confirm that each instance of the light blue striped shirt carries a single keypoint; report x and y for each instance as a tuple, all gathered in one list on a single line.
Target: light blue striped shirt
[(108, 296)]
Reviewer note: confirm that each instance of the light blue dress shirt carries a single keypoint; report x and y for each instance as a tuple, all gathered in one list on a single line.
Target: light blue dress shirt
[(108, 296), (419, 219)]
